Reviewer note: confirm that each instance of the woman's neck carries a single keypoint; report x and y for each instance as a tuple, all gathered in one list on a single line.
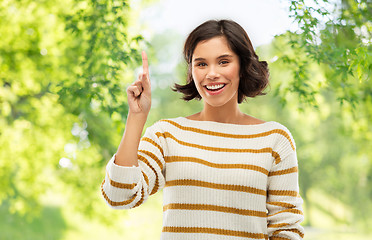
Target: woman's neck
[(221, 114)]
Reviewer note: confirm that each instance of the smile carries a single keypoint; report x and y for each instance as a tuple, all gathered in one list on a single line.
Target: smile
[(216, 89)]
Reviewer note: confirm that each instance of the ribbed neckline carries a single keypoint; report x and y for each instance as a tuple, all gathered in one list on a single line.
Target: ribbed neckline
[(210, 123)]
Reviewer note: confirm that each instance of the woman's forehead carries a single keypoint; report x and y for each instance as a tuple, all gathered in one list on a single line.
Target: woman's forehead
[(213, 48)]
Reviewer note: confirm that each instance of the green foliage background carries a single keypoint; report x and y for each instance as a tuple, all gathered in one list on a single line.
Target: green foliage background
[(64, 68)]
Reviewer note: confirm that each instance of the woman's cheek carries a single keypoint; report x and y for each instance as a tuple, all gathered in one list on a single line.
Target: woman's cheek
[(233, 72), (196, 75)]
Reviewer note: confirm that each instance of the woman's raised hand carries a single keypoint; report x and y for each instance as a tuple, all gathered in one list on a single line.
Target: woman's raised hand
[(139, 92)]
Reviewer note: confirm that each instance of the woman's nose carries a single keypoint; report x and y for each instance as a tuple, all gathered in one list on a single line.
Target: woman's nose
[(212, 73)]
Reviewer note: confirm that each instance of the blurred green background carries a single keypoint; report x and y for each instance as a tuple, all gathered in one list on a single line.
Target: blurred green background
[(64, 69)]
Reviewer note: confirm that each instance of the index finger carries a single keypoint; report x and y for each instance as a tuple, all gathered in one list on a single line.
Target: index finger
[(145, 64)]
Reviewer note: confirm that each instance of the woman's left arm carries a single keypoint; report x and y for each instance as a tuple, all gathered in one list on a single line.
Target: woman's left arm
[(284, 203)]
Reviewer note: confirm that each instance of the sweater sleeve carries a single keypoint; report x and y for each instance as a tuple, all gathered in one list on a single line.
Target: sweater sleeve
[(284, 204), (128, 187)]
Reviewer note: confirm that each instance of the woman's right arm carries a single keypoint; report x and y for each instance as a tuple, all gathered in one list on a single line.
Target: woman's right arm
[(135, 171), (139, 100)]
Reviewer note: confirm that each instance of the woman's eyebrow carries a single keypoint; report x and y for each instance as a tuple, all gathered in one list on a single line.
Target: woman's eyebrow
[(225, 56), (222, 56), (199, 59)]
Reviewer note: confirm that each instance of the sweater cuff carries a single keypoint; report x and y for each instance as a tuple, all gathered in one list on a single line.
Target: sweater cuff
[(123, 174)]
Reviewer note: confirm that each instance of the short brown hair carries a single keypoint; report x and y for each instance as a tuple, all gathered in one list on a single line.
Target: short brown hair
[(254, 74)]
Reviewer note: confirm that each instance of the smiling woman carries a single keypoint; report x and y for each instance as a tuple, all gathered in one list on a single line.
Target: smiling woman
[(224, 174), (215, 69), (220, 52)]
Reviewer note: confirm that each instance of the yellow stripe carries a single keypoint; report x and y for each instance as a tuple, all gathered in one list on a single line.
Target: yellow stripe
[(263, 150), (126, 185), (120, 185), (285, 171), (207, 207), (283, 193), (153, 156), (112, 203), (215, 231), (227, 135), (198, 183), (277, 225), (141, 200), (153, 143), (292, 210), (156, 186), (170, 159), (145, 177), (289, 230), (282, 204)]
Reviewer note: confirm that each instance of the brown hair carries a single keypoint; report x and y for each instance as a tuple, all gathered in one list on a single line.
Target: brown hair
[(254, 74)]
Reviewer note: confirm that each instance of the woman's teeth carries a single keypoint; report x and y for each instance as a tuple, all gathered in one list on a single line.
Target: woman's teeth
[(215, 87)]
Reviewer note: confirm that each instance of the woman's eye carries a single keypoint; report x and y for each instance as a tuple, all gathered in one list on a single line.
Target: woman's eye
[(201, 64), (224, 62)]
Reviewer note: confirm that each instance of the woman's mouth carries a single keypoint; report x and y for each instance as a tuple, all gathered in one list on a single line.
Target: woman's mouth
[(215, 90)]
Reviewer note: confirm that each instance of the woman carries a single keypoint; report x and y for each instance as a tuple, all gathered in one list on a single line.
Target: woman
[(224, 174)]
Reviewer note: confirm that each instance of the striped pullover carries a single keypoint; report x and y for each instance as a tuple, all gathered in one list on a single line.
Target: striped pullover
[(219, 180)]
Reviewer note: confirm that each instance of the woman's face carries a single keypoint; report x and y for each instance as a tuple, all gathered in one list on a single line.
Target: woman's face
[(216, 65)]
